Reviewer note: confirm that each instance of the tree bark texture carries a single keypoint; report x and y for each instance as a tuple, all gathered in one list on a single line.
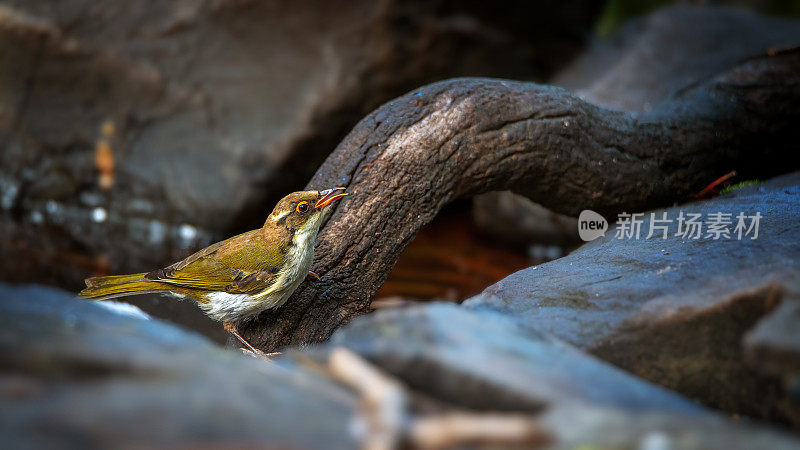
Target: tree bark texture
[(458, 138)]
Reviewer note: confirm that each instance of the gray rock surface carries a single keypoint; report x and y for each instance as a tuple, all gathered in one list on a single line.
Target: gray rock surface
[(484, 360), (674, 311), (77, 374), (618, 429), (773, 345), (651, 58)]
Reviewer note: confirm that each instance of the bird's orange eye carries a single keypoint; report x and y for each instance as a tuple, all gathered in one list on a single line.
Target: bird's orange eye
[(302, 207)]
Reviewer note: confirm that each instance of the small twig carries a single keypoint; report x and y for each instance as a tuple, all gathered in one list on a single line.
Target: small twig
[(465, 428), (708, 189), (389, 422), (384, 398)]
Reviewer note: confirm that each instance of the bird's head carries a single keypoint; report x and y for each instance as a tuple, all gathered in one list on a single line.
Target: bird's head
[(302, 211)]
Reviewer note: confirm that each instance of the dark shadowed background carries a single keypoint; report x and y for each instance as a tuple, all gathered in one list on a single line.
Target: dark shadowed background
[(135, 132)]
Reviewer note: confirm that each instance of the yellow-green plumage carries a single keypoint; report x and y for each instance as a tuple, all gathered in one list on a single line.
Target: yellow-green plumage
[(103, 288), (99, 282), (220, 267), (240, 276)]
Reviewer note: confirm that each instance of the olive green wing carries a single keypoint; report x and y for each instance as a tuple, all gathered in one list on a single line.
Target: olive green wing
[(236, 264), (255, 282)]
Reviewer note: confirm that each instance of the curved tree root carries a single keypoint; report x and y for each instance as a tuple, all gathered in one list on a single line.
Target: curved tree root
[(458, 138)]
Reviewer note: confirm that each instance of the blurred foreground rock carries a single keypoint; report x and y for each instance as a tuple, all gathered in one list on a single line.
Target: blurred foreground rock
[(484, 360), (76, 374), (772, 347), (675, 311), (135, 128)]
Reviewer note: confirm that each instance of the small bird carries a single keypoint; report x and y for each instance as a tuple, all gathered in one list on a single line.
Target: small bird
[(242, 276)]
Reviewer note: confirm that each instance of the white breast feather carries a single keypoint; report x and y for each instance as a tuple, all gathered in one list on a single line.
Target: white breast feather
[(226, 307)]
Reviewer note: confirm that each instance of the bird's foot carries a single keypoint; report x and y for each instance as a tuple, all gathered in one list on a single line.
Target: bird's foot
[(230, 327), (311, 273)]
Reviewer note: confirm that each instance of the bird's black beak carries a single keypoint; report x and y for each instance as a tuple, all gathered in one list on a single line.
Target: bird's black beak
[(328, 196)]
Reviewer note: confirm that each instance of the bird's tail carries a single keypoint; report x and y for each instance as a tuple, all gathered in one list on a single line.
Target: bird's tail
[(105, 288)]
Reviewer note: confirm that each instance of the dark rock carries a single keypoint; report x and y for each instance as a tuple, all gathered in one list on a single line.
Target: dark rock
[(773, 345), (651, 58), (674, 311), (211, 111), (78, 374), (488, 361), (514, 218), (575, 426), (181, 312)]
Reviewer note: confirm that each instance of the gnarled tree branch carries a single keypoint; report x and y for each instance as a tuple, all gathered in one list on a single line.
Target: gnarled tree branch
[(462, 137)]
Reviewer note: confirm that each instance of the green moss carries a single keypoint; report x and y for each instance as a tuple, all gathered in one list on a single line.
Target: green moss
[(736, 186), (618, 11)]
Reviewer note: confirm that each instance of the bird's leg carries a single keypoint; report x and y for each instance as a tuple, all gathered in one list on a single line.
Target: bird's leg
[(311, 273), (230, 327)]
